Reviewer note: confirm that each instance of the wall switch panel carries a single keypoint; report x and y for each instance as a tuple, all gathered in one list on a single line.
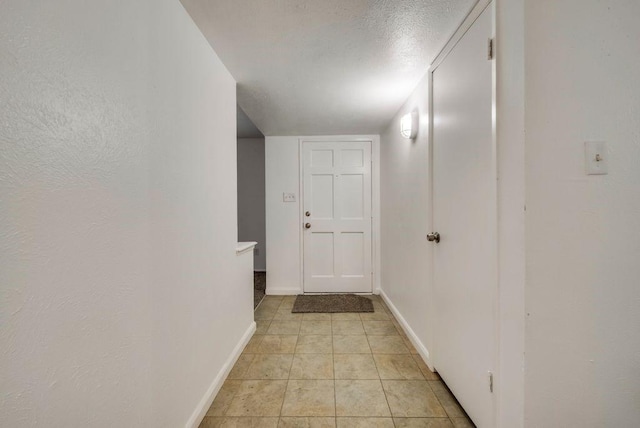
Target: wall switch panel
[(596, 157), (288, 197)]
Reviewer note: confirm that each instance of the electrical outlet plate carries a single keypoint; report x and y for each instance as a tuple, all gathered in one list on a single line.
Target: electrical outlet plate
[(596, 158), (288, 197)]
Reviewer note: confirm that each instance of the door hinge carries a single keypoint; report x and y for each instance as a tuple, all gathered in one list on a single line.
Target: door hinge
[(490, 382), (490, 49)]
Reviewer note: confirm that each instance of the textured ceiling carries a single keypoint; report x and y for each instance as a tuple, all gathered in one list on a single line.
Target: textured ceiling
[(314, 67), (246, 128)]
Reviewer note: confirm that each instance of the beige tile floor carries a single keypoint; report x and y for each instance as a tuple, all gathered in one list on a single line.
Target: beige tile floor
[(331, 370)]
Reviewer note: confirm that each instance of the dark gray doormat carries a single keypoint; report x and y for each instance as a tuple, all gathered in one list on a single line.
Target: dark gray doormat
[(332, 303)]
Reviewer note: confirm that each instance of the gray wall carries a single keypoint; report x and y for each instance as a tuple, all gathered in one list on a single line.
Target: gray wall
[(251, 211)]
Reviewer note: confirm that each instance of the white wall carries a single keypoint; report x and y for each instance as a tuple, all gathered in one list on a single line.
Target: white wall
[(406, 216), (583, 232), (282, 174), (119, 293), (284, 225), (251, 197)]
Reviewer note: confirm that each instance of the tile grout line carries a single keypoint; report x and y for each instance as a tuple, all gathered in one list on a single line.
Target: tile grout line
[(288, 381), (440, 402), (393, 421), (335, 391)]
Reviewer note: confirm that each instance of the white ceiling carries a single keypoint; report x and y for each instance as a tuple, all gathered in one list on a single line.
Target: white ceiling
[(318, 67)]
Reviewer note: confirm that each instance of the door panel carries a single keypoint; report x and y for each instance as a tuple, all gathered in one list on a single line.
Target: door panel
[(352, 197), (322, 158), (352, 158), (322, 196), (337, 196), (464, 213), (322, 246), (353, 254)]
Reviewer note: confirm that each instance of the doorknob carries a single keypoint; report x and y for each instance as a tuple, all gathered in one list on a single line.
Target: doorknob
[(307, 213), (433, 236), (307, 225)]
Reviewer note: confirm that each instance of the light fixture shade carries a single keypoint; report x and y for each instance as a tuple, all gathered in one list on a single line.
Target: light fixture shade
[(409, 125)]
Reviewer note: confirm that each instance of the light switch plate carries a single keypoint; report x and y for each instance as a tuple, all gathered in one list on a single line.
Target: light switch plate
[(288, 197), (596, 158)]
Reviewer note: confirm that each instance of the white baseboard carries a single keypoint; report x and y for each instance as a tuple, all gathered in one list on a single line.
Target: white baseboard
[(417, 343), (200, 412), (270, 291)]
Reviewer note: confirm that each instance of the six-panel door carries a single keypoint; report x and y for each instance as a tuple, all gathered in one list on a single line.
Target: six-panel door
[(336, 219)]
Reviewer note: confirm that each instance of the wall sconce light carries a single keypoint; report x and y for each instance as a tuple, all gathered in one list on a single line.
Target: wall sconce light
[(409, 125)]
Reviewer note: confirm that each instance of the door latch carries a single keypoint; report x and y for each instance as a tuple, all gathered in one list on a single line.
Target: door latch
[(433, 237)]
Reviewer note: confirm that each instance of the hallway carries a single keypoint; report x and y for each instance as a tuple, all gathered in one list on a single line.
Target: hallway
[(328, 370), (493, 204)]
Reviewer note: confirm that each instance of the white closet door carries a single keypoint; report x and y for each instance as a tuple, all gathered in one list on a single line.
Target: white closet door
[(464, 214)]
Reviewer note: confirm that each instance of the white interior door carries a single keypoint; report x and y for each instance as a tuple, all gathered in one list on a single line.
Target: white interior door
[(337, 217), (464, 214)]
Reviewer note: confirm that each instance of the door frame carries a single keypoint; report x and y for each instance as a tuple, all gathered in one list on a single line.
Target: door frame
[(474, 14), (375, 199)]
